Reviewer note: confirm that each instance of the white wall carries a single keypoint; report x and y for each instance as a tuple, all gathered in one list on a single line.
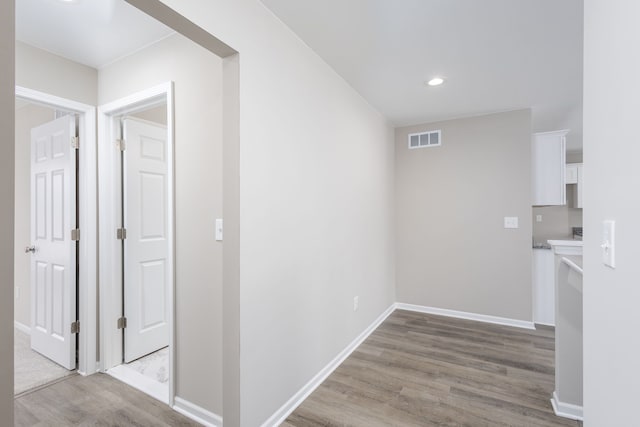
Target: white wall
[(611, 151), (27, 117), (43, 71), (7, 110), (316, 188), (197, 76), (452, 249)]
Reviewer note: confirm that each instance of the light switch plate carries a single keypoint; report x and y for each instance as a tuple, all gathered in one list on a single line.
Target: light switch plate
[(510, 222), (538, 218), (609, 243), (219, 229)]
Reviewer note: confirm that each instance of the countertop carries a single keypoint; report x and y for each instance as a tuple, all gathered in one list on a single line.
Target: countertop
[(542, 242)]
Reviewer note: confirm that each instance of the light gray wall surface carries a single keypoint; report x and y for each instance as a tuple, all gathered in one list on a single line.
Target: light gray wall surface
[(556, 222), (573, 156), (316, 206), (611, 151), (7, 111), (43, 71), (231, 247), (452, 250), (27, 117), (156, 115), (197, 75)]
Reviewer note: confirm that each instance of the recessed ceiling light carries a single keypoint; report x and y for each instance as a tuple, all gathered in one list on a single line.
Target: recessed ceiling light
[(436, 81)]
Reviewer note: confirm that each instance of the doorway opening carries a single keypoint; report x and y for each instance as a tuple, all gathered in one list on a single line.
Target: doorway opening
[(136, 240), (55, 147)]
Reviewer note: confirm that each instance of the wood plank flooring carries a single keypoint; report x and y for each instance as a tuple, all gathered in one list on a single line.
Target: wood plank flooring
[(425, 370), (96, 400), (414, 370)]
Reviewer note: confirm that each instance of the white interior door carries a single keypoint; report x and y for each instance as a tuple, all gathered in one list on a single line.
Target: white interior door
[(53, 252), (146, 248)]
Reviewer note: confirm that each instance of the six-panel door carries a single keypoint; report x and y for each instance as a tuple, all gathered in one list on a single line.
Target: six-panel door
[(146, 248), (53, 257)]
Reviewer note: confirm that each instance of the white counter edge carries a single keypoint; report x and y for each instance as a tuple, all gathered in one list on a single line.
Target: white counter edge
[(566, 247)]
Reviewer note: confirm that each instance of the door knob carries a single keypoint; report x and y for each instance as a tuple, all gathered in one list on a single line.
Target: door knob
[(31, 249)]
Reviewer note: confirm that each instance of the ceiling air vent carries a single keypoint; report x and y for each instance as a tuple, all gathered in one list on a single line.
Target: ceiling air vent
[(425, 139)]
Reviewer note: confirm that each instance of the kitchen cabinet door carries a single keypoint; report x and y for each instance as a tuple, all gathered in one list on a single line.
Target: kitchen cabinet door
[(579, 188), (576, 189), (548, 168), (571, 173)]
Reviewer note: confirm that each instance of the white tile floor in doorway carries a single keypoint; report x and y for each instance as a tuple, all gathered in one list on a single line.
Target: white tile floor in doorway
[(149, 374), (154, 365)]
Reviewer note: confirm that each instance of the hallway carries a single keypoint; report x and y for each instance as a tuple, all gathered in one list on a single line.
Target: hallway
[(96, 400)]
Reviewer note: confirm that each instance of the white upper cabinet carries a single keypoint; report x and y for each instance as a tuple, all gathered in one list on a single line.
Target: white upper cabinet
[(578, 197), (574, 176), (571, 174), (548, 168)]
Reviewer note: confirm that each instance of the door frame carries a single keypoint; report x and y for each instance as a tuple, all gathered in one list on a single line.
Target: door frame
[(109, 203), (87, 283)]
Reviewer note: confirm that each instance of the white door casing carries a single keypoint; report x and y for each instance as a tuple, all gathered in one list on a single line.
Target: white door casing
[(53, 260), (110, 212), (146, 247), (87, 248)]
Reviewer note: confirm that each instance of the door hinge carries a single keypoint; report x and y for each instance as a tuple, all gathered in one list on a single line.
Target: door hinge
[(75, 142), (75, 327), (75, 234), (120, 145), (121, 233), (122, 322)]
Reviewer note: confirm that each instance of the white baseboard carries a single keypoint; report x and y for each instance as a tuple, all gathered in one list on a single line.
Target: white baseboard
[(22, 327), (285, 410), (566, 410), (551, 325), (196, 413), (465, 315)]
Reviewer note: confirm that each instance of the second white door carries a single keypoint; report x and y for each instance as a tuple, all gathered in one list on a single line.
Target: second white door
[(146, 249), (52, 249)]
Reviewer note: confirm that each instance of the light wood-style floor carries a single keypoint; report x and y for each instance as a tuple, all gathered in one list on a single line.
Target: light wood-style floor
[(414, 370), (425, 370), (96, 400)]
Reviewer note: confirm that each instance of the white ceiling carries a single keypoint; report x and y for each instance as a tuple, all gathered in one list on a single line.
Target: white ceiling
[(91, 32), (495, 55)]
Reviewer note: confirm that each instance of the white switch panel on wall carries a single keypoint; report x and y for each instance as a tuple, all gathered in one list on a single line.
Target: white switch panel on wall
[(219, 229), (510, 222), (609, 243)]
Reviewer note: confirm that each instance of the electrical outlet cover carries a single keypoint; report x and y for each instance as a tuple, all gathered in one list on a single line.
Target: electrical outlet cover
[(510, 222)]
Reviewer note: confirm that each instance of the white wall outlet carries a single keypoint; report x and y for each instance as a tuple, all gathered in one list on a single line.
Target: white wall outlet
[(219, 229), (538, 218), (609, 243), (510, 222), (356, 303)]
